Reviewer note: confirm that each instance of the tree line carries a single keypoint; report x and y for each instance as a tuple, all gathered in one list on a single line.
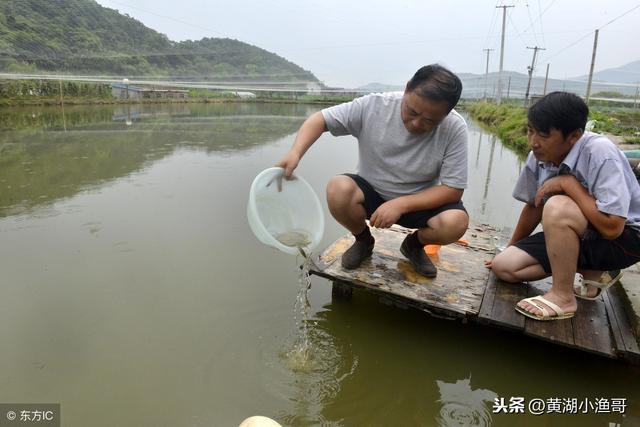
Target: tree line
[(25, 89)]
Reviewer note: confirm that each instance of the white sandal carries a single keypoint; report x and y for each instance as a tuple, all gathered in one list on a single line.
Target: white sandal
[(535, 301), (581, 290)]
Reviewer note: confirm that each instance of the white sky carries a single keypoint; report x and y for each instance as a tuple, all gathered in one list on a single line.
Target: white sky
[(351, 43)]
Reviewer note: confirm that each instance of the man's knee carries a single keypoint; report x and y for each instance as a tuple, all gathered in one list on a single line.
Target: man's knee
[(454, 221), (561, 209), (341, 191)]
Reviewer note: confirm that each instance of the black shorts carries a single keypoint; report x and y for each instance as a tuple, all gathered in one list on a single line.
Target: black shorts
[(596, 252), (417, 219)]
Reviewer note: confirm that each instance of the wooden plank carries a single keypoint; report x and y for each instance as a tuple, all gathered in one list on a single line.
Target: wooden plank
[(504, 312), (458, 288), (488, 299), (618, 340), (559, 331), (399, 301), (591, 329), (501, 311), (500, 298), (626, 342)]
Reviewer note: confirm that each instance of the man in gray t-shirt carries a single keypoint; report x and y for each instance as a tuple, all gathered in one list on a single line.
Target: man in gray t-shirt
[(412, 167), (583, 190)]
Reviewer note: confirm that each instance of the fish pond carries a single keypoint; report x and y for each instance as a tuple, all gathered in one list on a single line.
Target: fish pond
[(134, 293)]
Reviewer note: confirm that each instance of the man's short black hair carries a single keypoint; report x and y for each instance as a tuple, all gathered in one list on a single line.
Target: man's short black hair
[(562, 111), (436, 83)]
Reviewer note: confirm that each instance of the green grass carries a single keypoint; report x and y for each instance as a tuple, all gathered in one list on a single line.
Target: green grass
[(509, 122)]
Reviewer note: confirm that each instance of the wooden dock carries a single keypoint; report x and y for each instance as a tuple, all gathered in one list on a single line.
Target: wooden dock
[(464, 289)]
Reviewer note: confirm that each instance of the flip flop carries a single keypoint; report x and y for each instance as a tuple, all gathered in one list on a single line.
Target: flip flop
[(581, 290), (535, 301)]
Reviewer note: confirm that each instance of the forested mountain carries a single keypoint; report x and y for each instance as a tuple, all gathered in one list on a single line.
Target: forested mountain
[(80, 36)]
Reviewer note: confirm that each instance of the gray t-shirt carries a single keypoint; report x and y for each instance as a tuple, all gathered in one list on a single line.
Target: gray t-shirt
[(393, 160), (599, 166)]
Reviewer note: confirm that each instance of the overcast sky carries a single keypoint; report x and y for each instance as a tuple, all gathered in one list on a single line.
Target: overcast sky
[(350, 43)]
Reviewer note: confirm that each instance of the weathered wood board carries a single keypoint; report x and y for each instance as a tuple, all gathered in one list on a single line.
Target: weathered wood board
[(464, 288), (456, 291)]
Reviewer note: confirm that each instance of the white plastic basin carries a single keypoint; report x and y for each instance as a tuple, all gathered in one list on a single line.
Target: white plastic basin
[(272, 213)]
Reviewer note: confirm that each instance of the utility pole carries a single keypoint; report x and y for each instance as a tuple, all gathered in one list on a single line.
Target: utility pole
[(635, 100), (508, 87), (504, 21), (593, 62), (530, 69), (486, 75), (546, 78)]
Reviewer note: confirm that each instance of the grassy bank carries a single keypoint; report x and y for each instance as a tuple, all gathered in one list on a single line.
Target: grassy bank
[(7, 102), (509, 122), (49, 92)]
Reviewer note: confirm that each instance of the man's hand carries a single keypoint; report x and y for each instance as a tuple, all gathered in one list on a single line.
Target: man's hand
[(551, 187), (387, 214), (289, 162)]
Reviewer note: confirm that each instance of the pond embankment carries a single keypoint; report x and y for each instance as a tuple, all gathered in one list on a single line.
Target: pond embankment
[(509, 122)]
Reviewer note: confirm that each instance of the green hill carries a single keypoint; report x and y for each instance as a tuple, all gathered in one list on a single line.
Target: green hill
[(80, 36)]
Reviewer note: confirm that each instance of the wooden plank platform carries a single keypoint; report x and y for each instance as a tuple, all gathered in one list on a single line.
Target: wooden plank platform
[(465, 289)]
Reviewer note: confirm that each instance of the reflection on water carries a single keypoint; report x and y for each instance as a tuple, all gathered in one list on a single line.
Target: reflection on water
[(493, 172), (41, 163), (462, 406)]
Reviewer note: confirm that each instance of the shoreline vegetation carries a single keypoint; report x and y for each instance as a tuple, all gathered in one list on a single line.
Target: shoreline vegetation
[(509, 122), (218, 100), (17, 93)]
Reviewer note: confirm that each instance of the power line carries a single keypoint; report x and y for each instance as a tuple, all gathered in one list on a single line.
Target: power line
[(531, 21), (524, 43), (589, 33), (167, 17), (493, 20), (615, 19), (543, 12), (540, 20)]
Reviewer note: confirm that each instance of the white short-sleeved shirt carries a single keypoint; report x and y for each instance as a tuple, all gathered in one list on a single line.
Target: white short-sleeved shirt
[(393, 160), (599, 166)]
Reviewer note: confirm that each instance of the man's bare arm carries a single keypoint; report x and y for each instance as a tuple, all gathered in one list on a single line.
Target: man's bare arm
[(609, 226), (530, 217), (309, 132), (389, 212)]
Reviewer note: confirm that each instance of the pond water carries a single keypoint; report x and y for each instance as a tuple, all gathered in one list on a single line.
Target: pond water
[(134, 294)]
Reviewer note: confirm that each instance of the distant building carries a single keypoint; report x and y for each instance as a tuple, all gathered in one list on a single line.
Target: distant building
[(244, 95), (125, 91)]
